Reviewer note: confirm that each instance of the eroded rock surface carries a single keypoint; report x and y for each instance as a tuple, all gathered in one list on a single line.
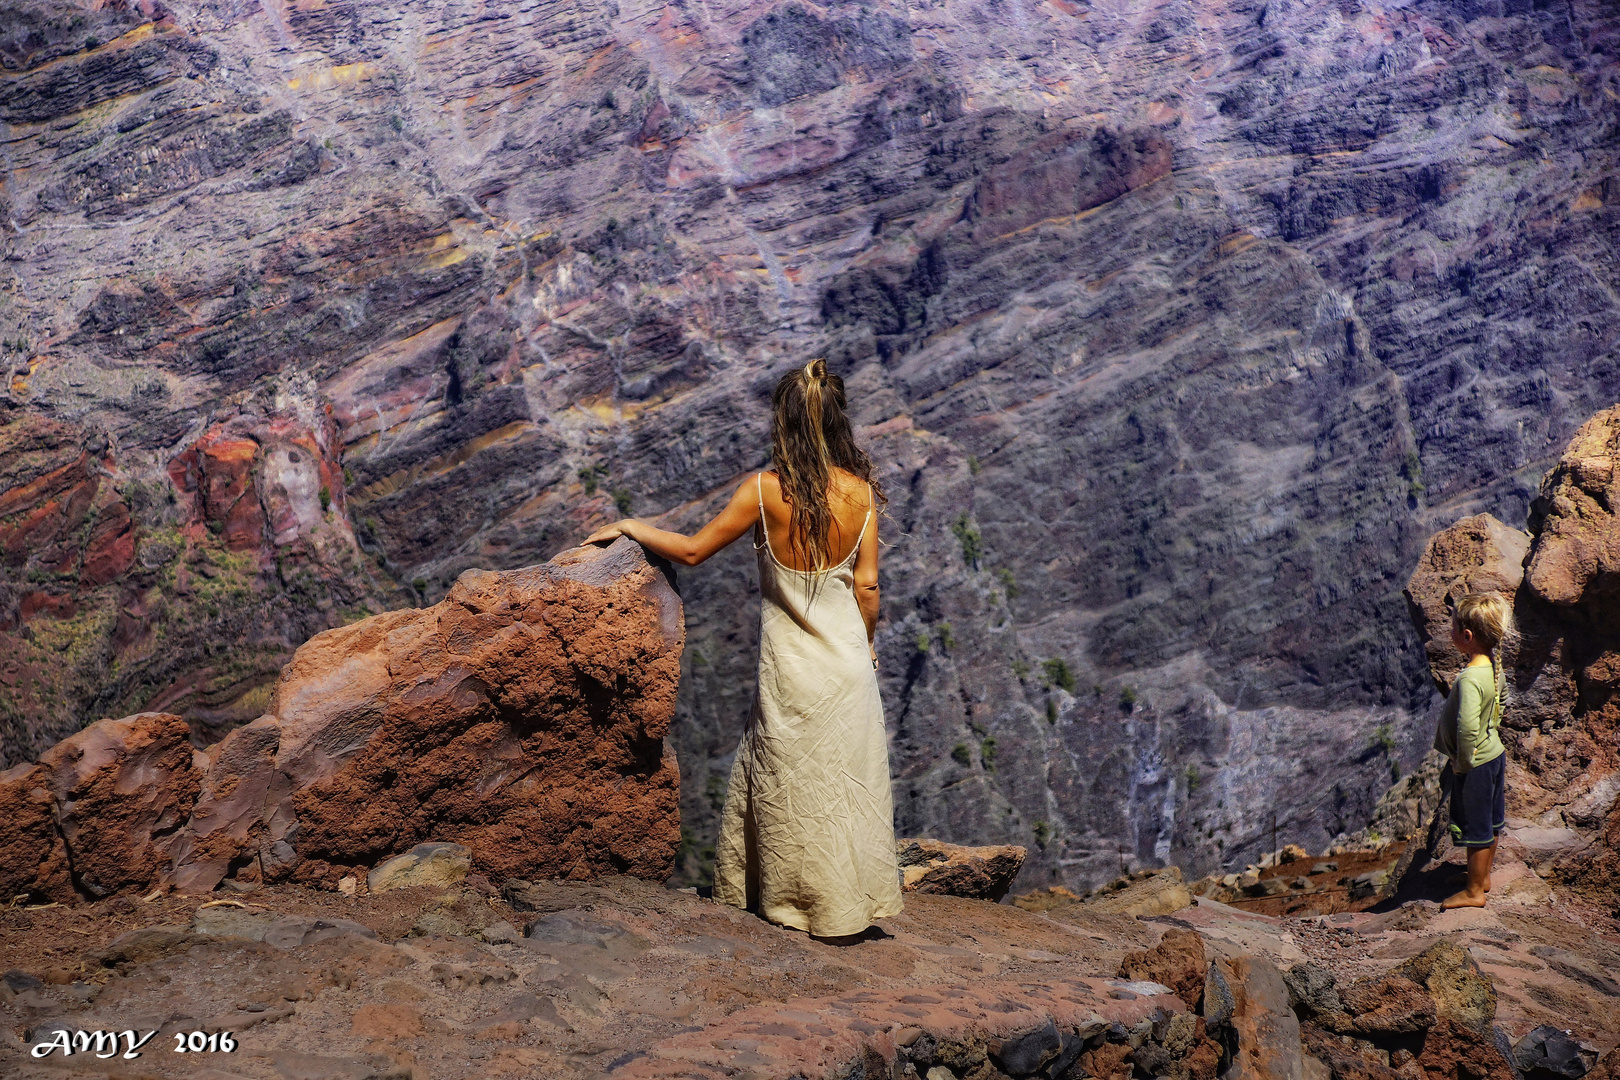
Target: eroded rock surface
[(522, 717)]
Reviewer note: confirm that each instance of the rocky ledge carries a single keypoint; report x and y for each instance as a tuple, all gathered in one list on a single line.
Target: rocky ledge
[(522, 717), (628, 979)]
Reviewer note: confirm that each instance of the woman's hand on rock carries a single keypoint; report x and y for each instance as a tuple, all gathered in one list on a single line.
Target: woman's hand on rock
[(608, 533)]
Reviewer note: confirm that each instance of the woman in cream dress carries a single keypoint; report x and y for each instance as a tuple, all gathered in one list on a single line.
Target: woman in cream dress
[(807, 836)]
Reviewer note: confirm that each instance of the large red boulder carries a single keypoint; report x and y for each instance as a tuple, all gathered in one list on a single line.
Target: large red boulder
[(92, 813), (523, 717)]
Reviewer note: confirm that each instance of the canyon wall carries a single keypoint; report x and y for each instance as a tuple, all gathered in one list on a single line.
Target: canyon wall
[(1174, 327)]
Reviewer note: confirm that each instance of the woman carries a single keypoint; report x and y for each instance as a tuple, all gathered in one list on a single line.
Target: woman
[(807, 835)]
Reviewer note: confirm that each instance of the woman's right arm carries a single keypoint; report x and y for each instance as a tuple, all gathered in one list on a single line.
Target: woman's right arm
[(737, 518)]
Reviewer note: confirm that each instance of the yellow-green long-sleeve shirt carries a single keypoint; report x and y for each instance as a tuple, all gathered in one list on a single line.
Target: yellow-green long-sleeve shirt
[(1467, 733)]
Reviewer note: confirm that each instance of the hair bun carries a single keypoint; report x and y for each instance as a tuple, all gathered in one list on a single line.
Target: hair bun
[(817, 370)]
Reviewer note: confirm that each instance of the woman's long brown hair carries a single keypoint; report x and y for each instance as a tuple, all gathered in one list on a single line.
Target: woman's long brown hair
[(810, 435)]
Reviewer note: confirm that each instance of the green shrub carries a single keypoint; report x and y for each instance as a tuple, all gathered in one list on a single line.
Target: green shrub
[(1043, 833), (1058, 673), (1051, 711), (987, 753), (1127, 699), (960, 754), (1019, 668), (946, 638), (1008, 582), (326, 499), (921, 641), (588, 476), (967, 534), (621, 499), (1384, 738), (1193, 778)]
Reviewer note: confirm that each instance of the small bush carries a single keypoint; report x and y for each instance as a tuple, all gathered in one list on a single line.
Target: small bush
[(588, 476), (921, 641), (1051, 711), (967, 534), (1193, 778), (1008, 582), (946, 638), (960, 754), (419, 584), (987, 753), (1043, 833), (621, 499), (1127, 699), (326, 499), (973, 466), (1019, 668), (1058, 673), (1384, 738)]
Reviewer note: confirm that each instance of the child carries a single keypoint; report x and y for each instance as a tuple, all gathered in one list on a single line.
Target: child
[(1467, 734)]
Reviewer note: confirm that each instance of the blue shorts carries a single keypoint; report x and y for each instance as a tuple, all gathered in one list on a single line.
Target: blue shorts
[(1479, 803)]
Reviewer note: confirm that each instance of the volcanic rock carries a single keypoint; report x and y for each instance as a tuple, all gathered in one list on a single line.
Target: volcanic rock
[(977, 873), (524, 716), (1267, 1031), (1177, 961), (1546, 1053), (424, 864), (1461, 992), (1158, 892), (92, 814)]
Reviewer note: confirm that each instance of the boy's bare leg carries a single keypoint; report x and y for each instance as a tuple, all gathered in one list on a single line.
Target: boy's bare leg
[(1479, 879)]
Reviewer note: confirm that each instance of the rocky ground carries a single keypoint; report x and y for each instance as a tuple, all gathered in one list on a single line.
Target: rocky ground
[(1174, 328), (623, 978)]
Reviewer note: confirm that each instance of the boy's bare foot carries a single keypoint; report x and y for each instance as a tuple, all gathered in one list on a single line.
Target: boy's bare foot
[(1463, 899)]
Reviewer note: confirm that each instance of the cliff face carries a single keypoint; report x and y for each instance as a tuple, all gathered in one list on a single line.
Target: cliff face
[(1169, 325)]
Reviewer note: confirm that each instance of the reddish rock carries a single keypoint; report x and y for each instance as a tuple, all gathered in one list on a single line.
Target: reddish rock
[(978, 873), (97, 805), (1577, 554), (33, 859), (1390, 1005), (1268, 1040), (523, 717), (1454, 1051), (1345, 1057), (1177, 961), (1477, 554)]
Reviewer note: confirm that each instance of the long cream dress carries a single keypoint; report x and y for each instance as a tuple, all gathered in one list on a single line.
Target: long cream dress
[(807, 836)]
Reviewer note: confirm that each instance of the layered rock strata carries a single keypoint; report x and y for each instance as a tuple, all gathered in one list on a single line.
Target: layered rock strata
[(1561, 720), (1172, 328), (522, 717)]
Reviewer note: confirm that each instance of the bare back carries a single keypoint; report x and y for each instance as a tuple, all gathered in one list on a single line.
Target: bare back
[(849, 498)]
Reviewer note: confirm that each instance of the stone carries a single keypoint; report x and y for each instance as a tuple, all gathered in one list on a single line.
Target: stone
[(1461, 992), (1312, 990), (465, 701), (1159, 893), (432, 864), (1266, 1029), (1220, 1001), (977, 873), (1023, 1055), (1546, 1053), (1389, 1005), (1457, 1051), (1177, 961), (110, 794), (1347, 1058)]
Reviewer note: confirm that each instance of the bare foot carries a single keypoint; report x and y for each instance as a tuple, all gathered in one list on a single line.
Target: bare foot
[(1463, 899), (1461, 878)]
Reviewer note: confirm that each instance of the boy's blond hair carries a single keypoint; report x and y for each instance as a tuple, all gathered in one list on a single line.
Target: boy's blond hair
[(1487, 616)]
